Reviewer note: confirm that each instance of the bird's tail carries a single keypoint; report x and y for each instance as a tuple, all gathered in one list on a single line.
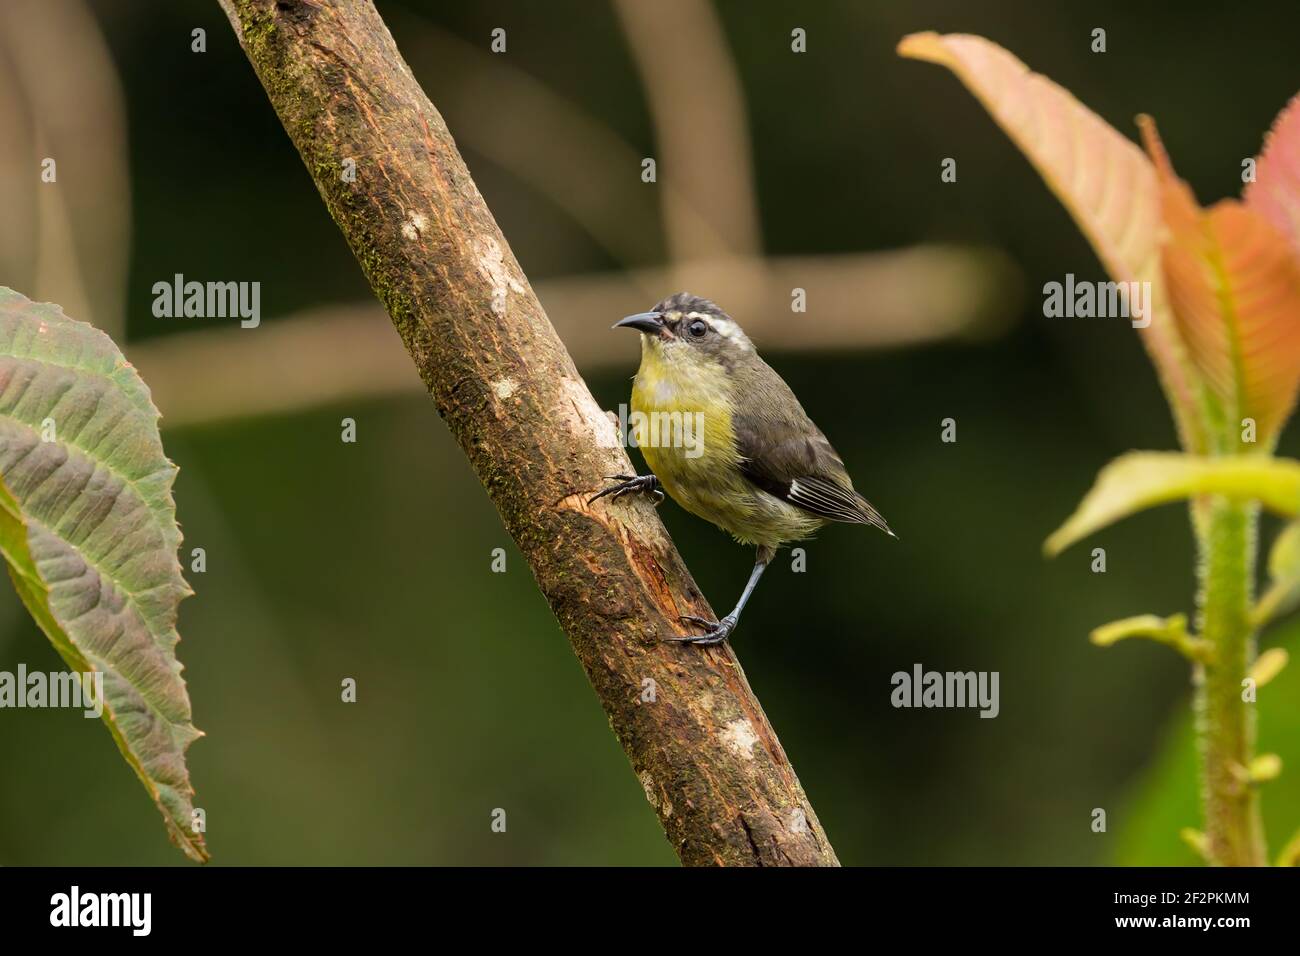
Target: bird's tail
[(869, 515)]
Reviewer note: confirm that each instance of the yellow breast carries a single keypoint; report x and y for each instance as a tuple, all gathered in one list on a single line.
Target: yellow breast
[(682, 421)]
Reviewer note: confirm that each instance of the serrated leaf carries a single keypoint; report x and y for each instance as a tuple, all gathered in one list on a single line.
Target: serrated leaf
[(88, 529), (1235, 288), (1102, 178), (1234, 284), (1144, 479), (1275, 193)]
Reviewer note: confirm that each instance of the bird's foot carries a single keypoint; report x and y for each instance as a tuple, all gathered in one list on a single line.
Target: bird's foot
[(639, 484), (716, 632)]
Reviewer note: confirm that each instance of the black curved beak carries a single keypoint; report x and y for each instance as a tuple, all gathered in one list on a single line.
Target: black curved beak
[(651, 323)]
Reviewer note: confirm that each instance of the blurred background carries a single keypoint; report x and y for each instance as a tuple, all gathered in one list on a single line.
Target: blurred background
[(776, 170)]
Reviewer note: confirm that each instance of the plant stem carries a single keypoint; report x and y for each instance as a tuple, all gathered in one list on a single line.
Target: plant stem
[(1225, 722)]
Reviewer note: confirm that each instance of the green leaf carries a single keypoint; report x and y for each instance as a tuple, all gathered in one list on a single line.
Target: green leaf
[(1170, 631), (1290, 855), (1268, 665), (1144, 479), (88, 529), (1264, 768), (1196, 842), (1283, 594)]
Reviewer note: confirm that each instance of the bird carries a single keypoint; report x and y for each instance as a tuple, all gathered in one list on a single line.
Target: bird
[(727, 440)]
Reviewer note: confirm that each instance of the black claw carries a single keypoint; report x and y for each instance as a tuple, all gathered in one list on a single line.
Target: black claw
[(701, 621), (716, 632), (641, 484), (712, 640)]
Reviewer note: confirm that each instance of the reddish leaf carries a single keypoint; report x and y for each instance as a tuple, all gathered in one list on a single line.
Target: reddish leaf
[(1275, 193), (1234, 284), (1101, 178)]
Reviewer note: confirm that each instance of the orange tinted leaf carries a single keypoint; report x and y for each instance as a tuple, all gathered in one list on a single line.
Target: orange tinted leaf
[(1234, 284), (1179, 210), (1102, 178), (1275, 193), (1235, 288)]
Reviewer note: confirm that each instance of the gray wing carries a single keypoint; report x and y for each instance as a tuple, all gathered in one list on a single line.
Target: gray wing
[(787, 456)]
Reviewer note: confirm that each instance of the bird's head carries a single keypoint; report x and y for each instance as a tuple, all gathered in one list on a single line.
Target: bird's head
[(684, 328)]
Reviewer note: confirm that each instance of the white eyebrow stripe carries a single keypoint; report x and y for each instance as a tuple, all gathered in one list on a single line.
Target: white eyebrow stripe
[(727, 328)]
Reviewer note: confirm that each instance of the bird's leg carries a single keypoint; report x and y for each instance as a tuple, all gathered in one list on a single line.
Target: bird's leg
[(640, 484), (718, 631)]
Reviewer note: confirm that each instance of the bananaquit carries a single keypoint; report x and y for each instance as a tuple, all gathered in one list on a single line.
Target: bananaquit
[(738, 450)]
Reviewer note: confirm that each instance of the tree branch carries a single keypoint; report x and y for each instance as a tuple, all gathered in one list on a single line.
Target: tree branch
[(702, 748), (330, 353)]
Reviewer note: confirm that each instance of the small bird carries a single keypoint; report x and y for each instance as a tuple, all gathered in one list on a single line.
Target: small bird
[(725, 437)]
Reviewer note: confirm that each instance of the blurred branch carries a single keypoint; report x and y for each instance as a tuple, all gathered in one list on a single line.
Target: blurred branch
[(71, 238), (332, 354), (312, 358), (701, 130), (542, 139), (700, 744)]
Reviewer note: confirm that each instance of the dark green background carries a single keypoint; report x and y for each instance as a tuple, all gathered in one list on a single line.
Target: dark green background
[(371, 560)]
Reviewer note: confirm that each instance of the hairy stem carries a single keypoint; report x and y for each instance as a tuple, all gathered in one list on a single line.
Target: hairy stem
[(1225, 721)]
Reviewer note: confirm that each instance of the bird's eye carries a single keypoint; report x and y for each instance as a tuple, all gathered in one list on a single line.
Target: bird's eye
[(697, 328)]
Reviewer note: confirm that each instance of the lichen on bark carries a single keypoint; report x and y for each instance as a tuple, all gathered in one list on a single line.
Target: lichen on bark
[(702, 749)]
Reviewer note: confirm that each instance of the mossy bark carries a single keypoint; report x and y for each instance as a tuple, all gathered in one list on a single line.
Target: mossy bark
[(698, 740)]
